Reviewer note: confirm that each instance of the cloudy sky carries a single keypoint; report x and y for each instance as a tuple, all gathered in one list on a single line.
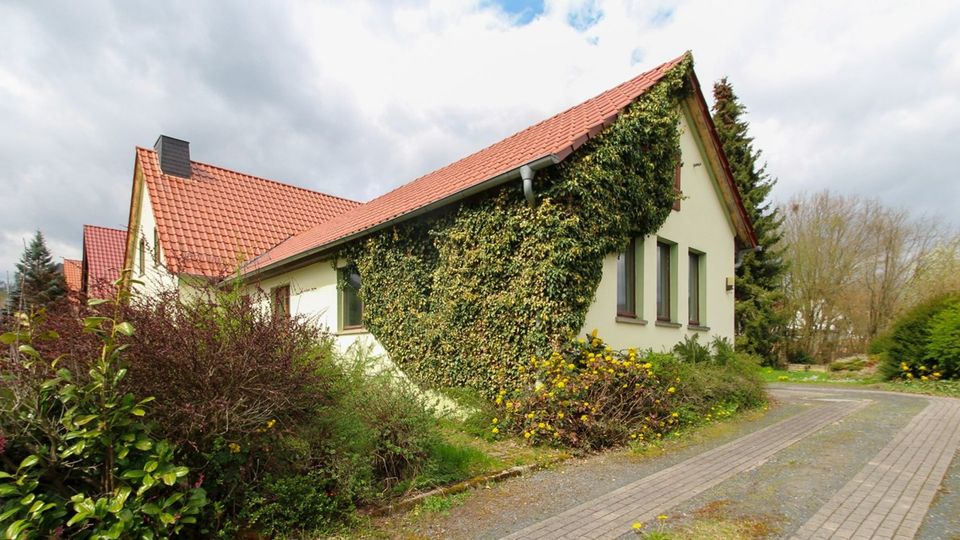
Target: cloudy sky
[(357, 97)]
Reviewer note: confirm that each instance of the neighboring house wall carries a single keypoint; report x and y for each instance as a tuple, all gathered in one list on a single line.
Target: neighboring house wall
[(701, 224), (314, 294)]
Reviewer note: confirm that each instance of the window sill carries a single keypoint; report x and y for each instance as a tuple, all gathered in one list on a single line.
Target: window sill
[(668, 324), (698, 328), (630, 320), (353, 331)]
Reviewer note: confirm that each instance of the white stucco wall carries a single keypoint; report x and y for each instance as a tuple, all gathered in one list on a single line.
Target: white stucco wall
[(155, 278), (702, 224), (313, 294)]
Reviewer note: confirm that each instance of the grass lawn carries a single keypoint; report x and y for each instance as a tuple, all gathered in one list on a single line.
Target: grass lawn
[(862, 380)]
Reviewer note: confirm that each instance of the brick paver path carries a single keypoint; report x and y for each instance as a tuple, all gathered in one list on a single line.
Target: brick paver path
[(611, 515), (889, 497)]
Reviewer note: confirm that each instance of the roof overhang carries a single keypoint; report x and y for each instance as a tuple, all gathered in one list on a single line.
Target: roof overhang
[(703, 122)]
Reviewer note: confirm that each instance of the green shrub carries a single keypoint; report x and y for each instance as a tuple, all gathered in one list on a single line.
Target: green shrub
[(79, 462), (800, 356), (255, 400), (690, 350), (904, 350), (735, 384), (943, 345), (854, 364), (294, 506)]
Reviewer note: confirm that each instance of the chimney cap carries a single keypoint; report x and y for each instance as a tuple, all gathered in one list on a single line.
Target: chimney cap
[(174, 156)]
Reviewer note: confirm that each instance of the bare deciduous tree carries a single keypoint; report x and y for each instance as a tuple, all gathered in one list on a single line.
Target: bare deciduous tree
[(853, 267)]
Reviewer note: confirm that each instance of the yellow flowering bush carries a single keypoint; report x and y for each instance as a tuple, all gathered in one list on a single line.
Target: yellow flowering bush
[(590, 396)]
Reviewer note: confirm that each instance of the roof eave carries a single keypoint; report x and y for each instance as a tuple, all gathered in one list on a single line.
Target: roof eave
[(742, 223)]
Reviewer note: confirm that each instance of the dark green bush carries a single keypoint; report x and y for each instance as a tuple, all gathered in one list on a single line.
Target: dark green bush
[(294, 506), (904, 349), (800, 356), (943, 345)]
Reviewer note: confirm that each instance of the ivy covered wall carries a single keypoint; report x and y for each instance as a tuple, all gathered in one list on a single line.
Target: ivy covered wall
[(464, 296)]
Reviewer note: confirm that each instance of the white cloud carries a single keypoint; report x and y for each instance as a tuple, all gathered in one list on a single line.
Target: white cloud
[(355, 98)]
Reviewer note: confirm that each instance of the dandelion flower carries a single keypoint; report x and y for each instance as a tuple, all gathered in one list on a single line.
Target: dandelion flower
[(494, 431), (662, 517), (671, 389), (234, 448), (637, 525), (495, 420)]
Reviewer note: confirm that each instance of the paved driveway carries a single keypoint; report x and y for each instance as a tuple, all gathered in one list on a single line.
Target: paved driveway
[(825, 463)]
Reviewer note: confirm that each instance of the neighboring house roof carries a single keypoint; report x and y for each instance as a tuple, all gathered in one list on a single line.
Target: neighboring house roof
[(214, 220), (103, 251), (552, 139), (73, 276)]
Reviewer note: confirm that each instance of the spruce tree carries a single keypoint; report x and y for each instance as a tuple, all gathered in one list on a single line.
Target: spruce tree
[(38, 282), (760, 319)]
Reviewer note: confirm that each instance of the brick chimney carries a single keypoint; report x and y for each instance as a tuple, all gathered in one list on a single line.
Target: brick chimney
[(174, 156)]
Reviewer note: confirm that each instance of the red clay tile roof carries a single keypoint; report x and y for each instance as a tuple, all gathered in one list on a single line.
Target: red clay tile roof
[(557, 136), (72, 275), (217, 218), (103, 252)]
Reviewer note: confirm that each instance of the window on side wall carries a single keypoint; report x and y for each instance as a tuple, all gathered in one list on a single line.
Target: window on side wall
[(695, 297), (143, 249), (350, 302), (156, 248), (280, 301), (627, 281), (664, 251)]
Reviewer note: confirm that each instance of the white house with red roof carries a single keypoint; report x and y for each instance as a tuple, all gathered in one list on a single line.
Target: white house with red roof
[(190, 220)]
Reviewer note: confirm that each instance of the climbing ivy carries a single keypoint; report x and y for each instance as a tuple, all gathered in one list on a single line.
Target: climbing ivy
[(461, 296)]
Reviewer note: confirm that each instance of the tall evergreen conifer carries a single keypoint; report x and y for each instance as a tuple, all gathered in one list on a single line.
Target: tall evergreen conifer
[(38, 282), (760, 319)]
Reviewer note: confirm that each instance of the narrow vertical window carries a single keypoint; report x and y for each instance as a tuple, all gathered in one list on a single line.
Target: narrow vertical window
[(143, 249), (156, 247), (627, 281), (280, 301), (677, 193), (350, 300), (694, 294), (663, 281)]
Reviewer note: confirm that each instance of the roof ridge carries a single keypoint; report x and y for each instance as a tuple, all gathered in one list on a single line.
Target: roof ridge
[(271, 180), (114, 229)]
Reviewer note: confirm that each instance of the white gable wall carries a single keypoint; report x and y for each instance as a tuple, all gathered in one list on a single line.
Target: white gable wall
[(701, 224), (155, 278)]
